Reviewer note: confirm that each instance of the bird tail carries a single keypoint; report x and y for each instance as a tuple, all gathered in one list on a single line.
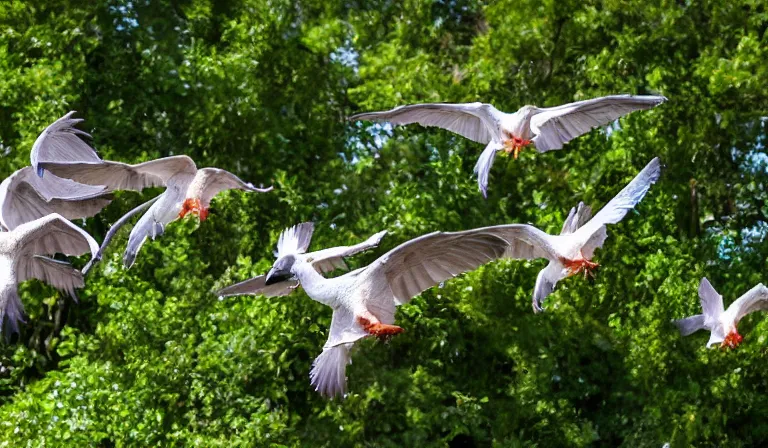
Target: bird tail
[(328, 374), (483, 166)]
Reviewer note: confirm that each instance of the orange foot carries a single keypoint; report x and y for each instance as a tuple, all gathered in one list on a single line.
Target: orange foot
[(579, 265), (195, 207), (378, 329), (515, 145), (732, 340)]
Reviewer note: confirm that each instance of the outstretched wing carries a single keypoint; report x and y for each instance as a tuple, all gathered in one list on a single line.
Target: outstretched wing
[(756, 299), (475, 121), (327, 260), (53, 234), (59, 274), (61, 142), (25, 197), (593, 232), (421, 263), (256, 286), (122, 176), (553, 127), (218, 180)]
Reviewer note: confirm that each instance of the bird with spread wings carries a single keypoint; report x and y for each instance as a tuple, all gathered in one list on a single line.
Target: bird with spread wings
[(720, 322), (546, 128), (189, 190), (364, 300)]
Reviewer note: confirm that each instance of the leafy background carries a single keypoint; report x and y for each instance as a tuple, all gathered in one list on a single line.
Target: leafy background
[(150, 357)]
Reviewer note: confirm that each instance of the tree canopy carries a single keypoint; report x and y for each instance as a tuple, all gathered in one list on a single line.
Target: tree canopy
[(149, 356)]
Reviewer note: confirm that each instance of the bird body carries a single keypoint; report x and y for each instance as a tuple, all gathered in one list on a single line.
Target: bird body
[(719, 321), (546, 128), (364, 300), (189, 190)]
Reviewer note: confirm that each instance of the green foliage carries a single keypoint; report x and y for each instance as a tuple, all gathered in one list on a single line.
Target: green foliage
[(150, 357)]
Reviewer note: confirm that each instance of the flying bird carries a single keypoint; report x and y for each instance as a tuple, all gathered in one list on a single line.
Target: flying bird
[(721, 322), (364, 300), (24, 197), (24, 253), (546, 128), (189, 190)]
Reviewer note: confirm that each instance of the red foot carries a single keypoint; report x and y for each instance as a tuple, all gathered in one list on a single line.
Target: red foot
[(515, 145), (194, 207), (732, 340), (378, 329), (579, 265)]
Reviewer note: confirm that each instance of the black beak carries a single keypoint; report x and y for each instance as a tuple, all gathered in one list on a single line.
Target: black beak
[(276, 277)]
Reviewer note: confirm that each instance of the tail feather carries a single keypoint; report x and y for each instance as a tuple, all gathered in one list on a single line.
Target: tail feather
[(483, 166), (328, 374)]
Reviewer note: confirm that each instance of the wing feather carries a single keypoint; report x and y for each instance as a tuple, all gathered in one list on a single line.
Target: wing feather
[(53, 234), (122, 176), (423, 262), (475, 121), (553, 127), (618, 207)]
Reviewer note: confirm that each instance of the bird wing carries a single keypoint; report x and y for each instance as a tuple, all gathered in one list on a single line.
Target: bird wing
[(256, 286), (593, 233), (327, 260), (711, 301), (59, 274), (475, 121), (756, 299), (61, 142), (25, 197), (423, 262), (122, 176), (53, 234), (690, 325), (218, 180), (554, 126)]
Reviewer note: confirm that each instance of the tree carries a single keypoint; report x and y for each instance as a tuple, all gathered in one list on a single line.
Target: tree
[(149, 356)]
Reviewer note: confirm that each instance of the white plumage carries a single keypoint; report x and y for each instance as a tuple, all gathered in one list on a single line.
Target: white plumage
[(364, 300), (188, 189), (23, 255), (721, 322), (546, 128)]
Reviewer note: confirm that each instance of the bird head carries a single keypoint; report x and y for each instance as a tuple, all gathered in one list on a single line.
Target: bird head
[(293, 242), (282, 270)]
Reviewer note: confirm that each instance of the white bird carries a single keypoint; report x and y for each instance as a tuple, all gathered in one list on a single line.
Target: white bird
[(546, 128), (23, 255), (189, 190), (721, 322), (25, 197), (364, 300)]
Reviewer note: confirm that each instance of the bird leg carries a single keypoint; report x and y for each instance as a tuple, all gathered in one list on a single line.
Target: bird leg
[(195, 207), (514, 145), (378, 329), (581, 265), (732, 340)]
